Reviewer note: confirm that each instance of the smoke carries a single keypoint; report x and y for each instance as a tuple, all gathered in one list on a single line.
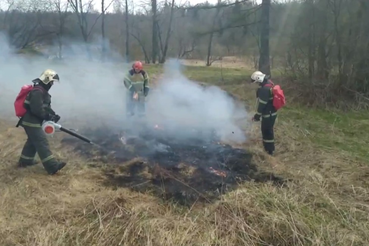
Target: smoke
[(88, 90), (92, 93), (181, 103)]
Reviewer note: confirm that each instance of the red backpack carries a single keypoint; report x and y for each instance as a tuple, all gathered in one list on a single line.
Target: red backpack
[(20, 111), (279, 99)]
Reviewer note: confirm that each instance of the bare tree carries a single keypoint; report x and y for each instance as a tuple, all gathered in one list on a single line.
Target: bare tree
[(81, 10), (127, 29), (62, 11), (103, 45), (155, 44), (139, 33), (24, 23), (319, 42), (168, 35), (264, 61), (10, 4), (209, 58)]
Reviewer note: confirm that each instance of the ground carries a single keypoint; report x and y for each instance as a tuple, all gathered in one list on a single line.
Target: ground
[(322, 152)]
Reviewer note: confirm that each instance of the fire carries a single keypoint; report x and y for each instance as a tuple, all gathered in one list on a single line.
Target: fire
[(186, 170), (218, 172)]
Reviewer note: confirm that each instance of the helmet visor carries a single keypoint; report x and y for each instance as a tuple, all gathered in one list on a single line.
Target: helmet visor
[(56, 78)]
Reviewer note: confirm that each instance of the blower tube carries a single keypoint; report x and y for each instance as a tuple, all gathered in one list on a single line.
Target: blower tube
[(49, 128)]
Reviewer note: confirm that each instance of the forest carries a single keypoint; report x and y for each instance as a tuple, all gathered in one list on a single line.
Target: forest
[(320, 45)]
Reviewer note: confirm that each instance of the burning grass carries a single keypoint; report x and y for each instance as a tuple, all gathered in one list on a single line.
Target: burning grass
[(325, 204), (195, 168)]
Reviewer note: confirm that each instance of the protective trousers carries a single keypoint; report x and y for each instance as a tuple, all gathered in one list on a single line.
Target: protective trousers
[(135, 105), (37, 143), (267, 131)]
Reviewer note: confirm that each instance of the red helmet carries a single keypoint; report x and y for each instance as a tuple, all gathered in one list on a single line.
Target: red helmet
[(137, 65)]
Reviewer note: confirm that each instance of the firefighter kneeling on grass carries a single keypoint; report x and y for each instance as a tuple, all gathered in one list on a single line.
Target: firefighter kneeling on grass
[(38, 109), (270, 98), (137, 83)]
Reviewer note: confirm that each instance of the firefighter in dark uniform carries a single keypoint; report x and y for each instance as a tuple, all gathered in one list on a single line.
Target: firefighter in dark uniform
[(136, 82), (265, 110), (38, 106)]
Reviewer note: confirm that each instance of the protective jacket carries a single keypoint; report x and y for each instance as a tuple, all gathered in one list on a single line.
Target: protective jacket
[(264, 96), (137, 82)]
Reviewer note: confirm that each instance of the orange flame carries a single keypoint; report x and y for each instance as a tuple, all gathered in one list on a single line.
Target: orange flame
[(218, 172)]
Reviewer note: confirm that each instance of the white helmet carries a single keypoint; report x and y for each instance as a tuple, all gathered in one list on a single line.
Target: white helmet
[(257, 77), (49, 76)]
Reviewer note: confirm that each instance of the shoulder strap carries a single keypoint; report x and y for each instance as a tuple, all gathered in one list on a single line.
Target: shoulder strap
[(38, 88), (270, 86)]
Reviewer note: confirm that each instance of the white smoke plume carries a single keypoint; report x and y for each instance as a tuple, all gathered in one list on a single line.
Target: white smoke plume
[(93, 93), (88, 91), (186, 103)]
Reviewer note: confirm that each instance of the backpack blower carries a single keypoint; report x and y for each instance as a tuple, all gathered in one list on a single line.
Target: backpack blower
[(49, 128)]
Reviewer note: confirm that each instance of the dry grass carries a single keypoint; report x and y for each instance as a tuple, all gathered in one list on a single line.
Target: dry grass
[(325, 204), (226, 62)]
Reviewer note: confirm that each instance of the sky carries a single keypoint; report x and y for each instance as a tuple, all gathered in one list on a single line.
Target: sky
[(3, 3)]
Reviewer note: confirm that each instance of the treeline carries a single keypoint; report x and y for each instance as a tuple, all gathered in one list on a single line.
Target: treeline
[(323, 43)]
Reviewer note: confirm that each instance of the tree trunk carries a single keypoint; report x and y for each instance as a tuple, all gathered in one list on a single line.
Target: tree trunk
[(103, 46), (264, 61), (127, 33), (163, 57), (154, 32), (210, 44)]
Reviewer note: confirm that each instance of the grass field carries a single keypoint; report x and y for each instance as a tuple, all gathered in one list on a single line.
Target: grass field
[(323, 152)]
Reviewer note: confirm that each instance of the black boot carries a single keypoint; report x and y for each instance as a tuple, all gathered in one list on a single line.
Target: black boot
[(27, 164), (57, 168)]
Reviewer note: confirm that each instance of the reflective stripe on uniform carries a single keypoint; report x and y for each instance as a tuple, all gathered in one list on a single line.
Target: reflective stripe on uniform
[(127, 82), (26, 101), (26, 157), (50, 157), (268, 115), (268, 141), (263, 102), (25, 123)]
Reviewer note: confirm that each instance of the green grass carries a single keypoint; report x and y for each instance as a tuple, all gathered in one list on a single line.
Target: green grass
[(153, 68), (215, 75), (29, 51), (212, 75), (331, 130)]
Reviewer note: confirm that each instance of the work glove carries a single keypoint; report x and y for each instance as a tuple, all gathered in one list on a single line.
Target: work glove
[(256, 117), (146, 91), (48, 117), (55, 118)]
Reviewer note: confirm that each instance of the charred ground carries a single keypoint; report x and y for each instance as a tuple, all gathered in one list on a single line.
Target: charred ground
[(191, 167)]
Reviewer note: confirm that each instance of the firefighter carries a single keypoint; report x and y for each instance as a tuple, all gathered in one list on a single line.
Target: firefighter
[(265, 110), (38, 106), (136, 82)]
